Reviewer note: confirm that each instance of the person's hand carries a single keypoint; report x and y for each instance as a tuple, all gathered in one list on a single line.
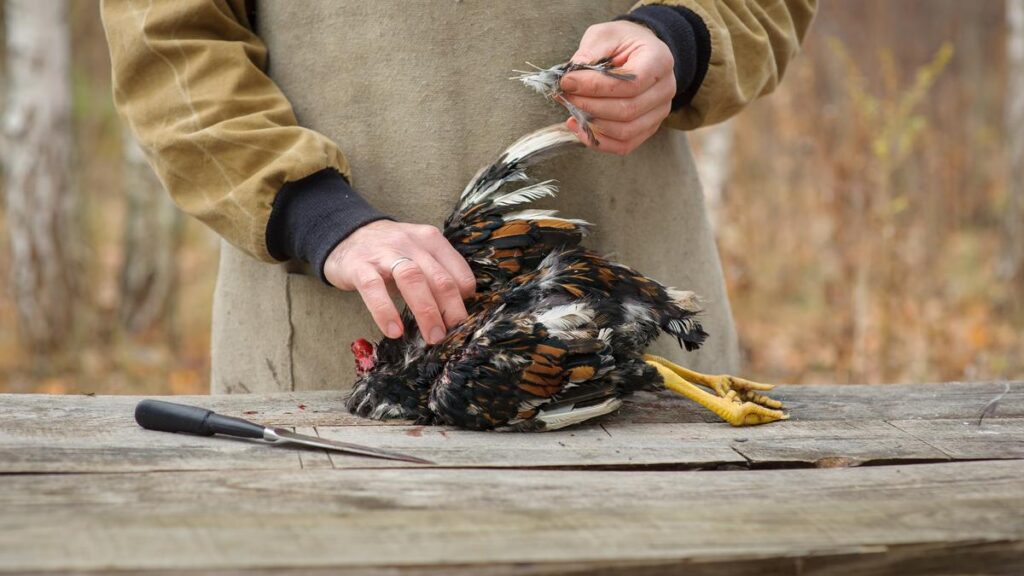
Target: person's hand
[(416, 259), (625, 113)]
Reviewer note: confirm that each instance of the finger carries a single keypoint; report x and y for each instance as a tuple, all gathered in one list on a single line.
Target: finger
[(643, 64), (628, 130), (625, 109), (456, 265), (597, 43), (444, 288), (416, 292), (621, 147), (374, 293), (594, 84)]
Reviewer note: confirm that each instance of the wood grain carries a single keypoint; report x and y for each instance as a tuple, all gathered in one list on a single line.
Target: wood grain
[(98, 434), (863, 480), (414, 518), (807, 402)]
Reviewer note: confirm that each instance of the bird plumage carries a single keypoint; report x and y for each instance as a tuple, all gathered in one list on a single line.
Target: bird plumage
[(552, 325), (556, 333)]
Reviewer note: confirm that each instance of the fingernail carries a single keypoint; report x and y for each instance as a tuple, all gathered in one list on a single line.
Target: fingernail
[(394, 330), (436, 335), (569, 85)]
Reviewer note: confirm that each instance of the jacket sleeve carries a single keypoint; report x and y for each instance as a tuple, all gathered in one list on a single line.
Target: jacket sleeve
[(751, 44), (189, 77)]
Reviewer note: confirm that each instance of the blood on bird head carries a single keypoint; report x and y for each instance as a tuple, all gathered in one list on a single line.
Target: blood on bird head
[(365, 354)]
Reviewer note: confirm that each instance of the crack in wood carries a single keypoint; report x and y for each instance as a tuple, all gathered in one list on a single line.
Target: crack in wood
[(990, 408), (330, 457), (741, 454), (921, 440)]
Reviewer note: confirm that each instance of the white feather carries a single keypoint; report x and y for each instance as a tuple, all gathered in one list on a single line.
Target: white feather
[(569, 415), (543, 80), (495, 317), (633, 312), (414, 349), (538, 141), (531, 214), (528, 194), (387, 411), (685, 299), (566, 317), (520, 152)]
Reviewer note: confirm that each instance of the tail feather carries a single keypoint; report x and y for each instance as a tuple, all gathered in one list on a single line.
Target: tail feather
[(489, 226), (511, 167)]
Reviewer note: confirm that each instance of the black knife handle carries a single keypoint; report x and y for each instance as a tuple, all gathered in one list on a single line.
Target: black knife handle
[(170, 417)]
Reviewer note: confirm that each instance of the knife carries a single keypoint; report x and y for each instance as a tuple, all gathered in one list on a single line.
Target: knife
[(170, 417)]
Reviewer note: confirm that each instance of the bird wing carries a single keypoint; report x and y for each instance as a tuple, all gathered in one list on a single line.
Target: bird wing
[(515, 365), (632, 304)]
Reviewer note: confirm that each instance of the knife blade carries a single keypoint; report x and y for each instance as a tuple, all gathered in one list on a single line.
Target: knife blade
[(171, 417)]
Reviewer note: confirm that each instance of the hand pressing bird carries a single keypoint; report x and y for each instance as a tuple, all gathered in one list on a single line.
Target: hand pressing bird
[(555, 334)]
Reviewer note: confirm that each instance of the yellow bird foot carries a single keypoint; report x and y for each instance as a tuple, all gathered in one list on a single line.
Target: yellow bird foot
[(724, 385), (737, 401)]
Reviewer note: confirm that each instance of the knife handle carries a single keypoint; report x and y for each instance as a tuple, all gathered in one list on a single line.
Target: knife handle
[(170, 417)]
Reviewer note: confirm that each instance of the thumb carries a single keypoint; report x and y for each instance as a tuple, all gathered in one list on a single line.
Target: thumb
[(593, 47)]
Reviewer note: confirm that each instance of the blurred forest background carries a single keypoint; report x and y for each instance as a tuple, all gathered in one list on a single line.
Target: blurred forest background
[(870, 213)]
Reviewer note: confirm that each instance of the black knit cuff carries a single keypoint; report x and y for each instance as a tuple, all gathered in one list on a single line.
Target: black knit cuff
[(685, 34), (313, 215)]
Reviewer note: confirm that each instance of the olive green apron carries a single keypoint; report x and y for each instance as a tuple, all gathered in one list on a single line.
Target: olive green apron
[(417, 96)]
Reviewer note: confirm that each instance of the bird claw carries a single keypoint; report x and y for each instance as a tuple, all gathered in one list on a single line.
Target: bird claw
[(751, 414), (733, 387), (738, 401), (749, 408)]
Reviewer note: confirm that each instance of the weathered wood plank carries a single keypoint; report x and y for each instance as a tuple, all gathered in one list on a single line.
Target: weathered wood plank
[(936, 559), (612, 446), (310, 459), (64, 446), (439, 518), (954, 400), (73, 446), (967, 439), (807, 402), (680, 445)]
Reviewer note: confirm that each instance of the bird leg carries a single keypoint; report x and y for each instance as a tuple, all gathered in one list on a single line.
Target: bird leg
[(724, 385), (738, 401)]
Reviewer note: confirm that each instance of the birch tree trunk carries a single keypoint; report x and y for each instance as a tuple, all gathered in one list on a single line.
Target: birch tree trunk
[(37, 149), (713, 166), (1012, 265), (151, 236)]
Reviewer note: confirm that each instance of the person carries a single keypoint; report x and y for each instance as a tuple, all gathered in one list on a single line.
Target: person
[(326, 141)]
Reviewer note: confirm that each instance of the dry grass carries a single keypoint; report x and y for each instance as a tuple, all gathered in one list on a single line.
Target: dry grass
[(862, 219)]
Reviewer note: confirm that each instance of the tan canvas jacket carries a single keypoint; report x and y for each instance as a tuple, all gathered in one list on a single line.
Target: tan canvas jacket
[(190, 78)]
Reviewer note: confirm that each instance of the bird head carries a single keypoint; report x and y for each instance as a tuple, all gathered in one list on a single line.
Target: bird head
[(365, 353)]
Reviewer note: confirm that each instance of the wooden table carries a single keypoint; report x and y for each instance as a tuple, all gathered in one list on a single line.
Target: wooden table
[(866, 480)]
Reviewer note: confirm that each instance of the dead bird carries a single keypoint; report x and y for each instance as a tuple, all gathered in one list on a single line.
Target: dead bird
[(556, 333)]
